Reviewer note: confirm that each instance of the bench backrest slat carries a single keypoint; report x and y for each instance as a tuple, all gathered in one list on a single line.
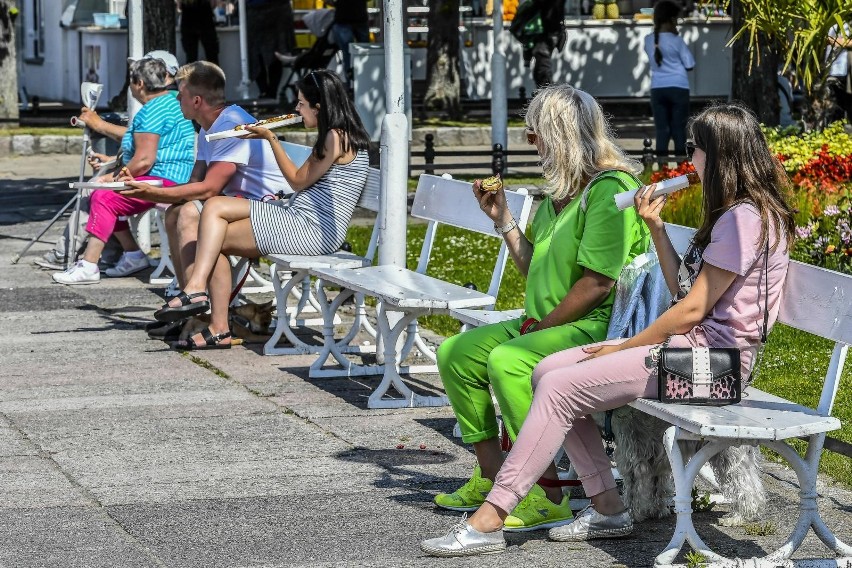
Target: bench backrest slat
[(445, 200)]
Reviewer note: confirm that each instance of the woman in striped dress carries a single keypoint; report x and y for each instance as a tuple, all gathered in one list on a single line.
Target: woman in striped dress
[(312, 222)]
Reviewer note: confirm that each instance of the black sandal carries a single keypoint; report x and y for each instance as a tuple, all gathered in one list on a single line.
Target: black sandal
[(187, 308), (210, 342)]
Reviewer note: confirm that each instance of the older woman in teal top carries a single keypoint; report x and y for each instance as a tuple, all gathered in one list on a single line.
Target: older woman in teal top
[(158, 145), (578, 244)]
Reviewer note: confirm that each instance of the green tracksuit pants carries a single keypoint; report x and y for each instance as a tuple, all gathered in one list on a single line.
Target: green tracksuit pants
[(499, 356)]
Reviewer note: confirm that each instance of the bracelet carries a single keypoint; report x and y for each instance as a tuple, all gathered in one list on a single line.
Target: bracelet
[(505, 228), (528, 325)]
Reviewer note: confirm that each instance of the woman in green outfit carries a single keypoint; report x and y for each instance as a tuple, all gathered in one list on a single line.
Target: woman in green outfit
[(578, 244)]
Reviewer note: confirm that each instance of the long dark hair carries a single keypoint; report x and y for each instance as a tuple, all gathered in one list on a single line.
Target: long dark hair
[(336, 112), (664, 11), (739, 168)]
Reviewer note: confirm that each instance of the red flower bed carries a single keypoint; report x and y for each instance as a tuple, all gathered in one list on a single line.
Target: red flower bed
[(826, 172)]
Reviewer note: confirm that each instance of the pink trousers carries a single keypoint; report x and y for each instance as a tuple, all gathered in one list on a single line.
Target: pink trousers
[(105, 208), (567, 392)]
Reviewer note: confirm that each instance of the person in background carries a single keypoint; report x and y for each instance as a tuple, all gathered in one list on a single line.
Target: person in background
[(351, 24), (733, 270), (579, 242), (271, 28), (54, 259), (670, 60), (158, 145), (314, 222), (198, 24), (840, 75), (539, 26)]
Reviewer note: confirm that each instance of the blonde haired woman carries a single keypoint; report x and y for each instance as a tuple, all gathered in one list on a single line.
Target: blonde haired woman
[(578, 244)]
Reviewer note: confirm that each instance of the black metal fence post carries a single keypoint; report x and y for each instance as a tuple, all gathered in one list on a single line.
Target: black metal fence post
[(647, 157), (429, 154), (498, 160)]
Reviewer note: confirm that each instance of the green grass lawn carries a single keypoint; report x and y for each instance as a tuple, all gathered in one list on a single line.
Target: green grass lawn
[(793, 365)]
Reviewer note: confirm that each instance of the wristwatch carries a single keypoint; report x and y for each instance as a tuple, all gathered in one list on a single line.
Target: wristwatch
[(505, 228)]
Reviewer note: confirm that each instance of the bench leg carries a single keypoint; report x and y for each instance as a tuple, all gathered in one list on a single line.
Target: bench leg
[(283, 322), (809, 517), (392, 376), (684, 473), (158, 276), (339, 348)]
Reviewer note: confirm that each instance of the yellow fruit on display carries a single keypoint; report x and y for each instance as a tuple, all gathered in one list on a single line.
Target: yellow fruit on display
[(599, 11), (612, 11)]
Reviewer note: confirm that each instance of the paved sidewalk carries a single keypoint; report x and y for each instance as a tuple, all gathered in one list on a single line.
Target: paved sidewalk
[(117, 452)]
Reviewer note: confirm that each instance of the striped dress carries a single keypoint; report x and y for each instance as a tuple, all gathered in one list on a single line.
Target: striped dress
[(314, 221)]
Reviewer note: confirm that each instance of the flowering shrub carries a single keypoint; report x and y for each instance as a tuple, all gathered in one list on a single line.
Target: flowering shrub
[(797, 151), (826, 240), (683, 207)]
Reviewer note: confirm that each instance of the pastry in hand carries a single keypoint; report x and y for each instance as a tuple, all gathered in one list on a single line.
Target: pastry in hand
[(491, 184)]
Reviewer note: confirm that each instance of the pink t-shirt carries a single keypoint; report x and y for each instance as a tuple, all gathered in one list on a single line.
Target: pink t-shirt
[(737, 317)]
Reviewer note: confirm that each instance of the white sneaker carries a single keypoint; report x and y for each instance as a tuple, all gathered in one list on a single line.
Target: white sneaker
[(128, 265), (78, 274)]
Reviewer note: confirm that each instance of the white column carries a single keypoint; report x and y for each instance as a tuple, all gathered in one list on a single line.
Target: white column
[(394, 142), (243, 89), (136, 49), (499, 103)]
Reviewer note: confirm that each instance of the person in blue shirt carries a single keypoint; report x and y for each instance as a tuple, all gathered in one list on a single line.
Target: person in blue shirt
[(158, 145), (670, 60)]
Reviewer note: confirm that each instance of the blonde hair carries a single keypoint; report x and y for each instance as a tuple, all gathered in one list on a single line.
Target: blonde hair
[(576, 140), (205, 79)]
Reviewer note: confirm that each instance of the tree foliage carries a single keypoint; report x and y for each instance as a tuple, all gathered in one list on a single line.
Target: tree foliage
[(799, 29)]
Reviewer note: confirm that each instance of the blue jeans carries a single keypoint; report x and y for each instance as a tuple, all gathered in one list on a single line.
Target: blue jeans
[(670, 106), (344, 34)]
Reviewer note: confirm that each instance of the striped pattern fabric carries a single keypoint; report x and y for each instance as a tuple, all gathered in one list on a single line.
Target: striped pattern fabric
[(315, 220), (176, 146)]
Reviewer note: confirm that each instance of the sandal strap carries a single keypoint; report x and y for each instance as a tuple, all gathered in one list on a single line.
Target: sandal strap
[(186, 299), (211, 339)]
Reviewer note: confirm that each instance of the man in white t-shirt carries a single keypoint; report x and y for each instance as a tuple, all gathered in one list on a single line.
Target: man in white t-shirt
[(230, 166), (838, 76)]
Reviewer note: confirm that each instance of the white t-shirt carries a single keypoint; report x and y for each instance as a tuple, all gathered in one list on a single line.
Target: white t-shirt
[(258, 174), (840, 65), (677, 59)]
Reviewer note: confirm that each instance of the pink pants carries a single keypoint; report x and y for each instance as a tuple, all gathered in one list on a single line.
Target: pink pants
[(566, 393), (105, 208)]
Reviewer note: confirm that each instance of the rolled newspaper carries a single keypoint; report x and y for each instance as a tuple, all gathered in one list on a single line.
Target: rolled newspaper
[(77, 122), (625, 199)]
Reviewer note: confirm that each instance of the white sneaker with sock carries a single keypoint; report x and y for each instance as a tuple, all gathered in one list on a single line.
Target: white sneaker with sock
[(129, 263), (81, 272)]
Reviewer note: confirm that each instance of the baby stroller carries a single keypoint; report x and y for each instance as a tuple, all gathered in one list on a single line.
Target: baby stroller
[(319, 55)]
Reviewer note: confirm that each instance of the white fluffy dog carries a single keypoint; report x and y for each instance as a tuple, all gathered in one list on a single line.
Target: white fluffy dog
[(648, 484)]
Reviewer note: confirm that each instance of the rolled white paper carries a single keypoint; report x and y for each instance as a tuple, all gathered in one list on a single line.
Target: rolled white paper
[(625, 199), (77, 122)]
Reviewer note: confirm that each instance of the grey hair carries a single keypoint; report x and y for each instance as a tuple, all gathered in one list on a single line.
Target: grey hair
[(576, 140), (152, 73)]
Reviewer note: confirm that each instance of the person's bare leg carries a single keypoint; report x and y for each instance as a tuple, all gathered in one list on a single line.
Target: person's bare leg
[(488, 518), (217, 235), (126, 240), (172, 230), (219, 288), (490, 458), (608, 503), (93, 249), (187, 227)]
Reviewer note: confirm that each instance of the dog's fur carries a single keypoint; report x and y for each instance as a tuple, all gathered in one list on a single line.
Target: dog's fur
[(249, 322), (648, 483)]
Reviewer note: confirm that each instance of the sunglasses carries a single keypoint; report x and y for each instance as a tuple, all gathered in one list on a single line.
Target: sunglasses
[(690, 148), (532, 137)]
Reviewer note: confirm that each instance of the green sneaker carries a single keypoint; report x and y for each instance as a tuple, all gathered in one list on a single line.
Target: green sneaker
[(469, 496), (536, 512)]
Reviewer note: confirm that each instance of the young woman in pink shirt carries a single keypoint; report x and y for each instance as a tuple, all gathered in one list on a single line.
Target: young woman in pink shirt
[(718, 303)]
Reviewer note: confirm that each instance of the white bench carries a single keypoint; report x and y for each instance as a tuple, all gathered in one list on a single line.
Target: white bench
[(404, 295), (291, 270), (813, 300)]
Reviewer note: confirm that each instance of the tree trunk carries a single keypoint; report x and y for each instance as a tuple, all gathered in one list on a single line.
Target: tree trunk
[(160, 20), (8, 65), (755, 74), (442, 59)]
